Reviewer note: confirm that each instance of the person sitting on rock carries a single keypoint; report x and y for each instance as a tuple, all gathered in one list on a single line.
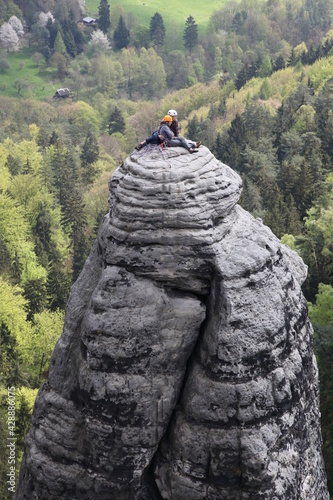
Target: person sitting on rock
[(166, 137), (152, 139), (175, 127)]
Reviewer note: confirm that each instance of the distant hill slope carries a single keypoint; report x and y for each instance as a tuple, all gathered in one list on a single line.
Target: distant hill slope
[(174, 13)]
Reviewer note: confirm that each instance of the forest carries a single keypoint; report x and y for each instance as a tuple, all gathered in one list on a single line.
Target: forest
[(254, 84)]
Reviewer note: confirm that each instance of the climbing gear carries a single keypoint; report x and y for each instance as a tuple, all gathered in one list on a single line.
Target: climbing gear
[(172, 112), (139, 146), (167, 118)]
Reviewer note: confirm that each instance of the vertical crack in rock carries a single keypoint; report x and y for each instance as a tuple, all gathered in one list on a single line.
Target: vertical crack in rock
[(186, 367)]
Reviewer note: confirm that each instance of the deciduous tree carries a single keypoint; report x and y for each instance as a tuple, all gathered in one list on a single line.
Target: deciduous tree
[(9, 39)]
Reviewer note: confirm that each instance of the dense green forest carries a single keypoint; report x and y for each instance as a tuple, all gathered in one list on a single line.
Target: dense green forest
[(255, 86)]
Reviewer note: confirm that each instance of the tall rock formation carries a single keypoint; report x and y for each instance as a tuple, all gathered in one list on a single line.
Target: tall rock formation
[(185, 369)]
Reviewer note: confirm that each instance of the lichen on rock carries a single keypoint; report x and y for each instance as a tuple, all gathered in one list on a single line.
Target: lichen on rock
[(186, 367)]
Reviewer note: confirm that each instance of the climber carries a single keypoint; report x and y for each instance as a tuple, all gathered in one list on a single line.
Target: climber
[(152, 139), (169, 138), (165, 136), (175, 127)]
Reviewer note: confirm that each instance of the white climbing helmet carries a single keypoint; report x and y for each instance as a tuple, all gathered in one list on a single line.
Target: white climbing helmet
[(172, 112)]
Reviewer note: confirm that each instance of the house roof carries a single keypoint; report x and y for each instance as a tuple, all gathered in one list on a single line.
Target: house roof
[(89, 20), (63, 92)]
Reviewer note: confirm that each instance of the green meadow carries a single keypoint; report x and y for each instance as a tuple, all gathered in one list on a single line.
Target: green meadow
[(174, 12), (35, 81)]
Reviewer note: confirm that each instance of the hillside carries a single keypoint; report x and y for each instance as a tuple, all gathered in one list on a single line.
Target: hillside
[(173, 12)]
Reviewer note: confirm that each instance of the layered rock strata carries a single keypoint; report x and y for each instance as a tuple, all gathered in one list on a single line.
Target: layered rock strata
[(186, 367)]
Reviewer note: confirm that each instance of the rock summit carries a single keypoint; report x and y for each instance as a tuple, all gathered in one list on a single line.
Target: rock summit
[(185, 369)]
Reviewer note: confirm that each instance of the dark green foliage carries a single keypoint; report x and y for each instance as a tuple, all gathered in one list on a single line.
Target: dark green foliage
[(104, 22), (74, 220), (34, 291), (323, 342), (190, 35), (89, 155), (279, 63), (53, 28), (13, 164), (193, 128), (42, 231), (121, 35), (23, 421), (58, 284), (68, 37), (157, 30), (235, 144), (116, 122), (39, 37), (8, 354), (218, 146), (27, 169)]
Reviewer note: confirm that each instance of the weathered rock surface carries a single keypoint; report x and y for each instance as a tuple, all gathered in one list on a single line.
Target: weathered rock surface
[(186, 367)]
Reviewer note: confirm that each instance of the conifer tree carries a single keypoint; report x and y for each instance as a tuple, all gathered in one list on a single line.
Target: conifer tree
[(104, 22), (157, 30), (27, 169), (58, 282), (89, 155), (53, 29), (121, 35), (235, 144), (68, 38), (74, 219), (35, 293), (218, 146), (59, 44), (13, 164), (193, 127), (116, 122), (190, 35)]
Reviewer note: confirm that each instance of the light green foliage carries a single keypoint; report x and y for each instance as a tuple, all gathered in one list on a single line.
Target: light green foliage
[(305, 119), (265, 67), (37, 348), (322, 311), (109, 75), (290, 240), (15, 231), (298, 51), (320, 72), (84, 118), (23, 151), (319, 223), (12, 310), (59, 44), (265, 91)]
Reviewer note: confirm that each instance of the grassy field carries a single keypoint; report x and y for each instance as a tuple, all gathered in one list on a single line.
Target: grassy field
[(37, 82), (174, 12)]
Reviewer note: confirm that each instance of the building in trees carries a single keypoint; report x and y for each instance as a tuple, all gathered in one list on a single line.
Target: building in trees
[(65, 92), (190, 35)]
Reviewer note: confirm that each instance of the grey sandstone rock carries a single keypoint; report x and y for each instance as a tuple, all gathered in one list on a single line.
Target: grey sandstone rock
[(185, 369)]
